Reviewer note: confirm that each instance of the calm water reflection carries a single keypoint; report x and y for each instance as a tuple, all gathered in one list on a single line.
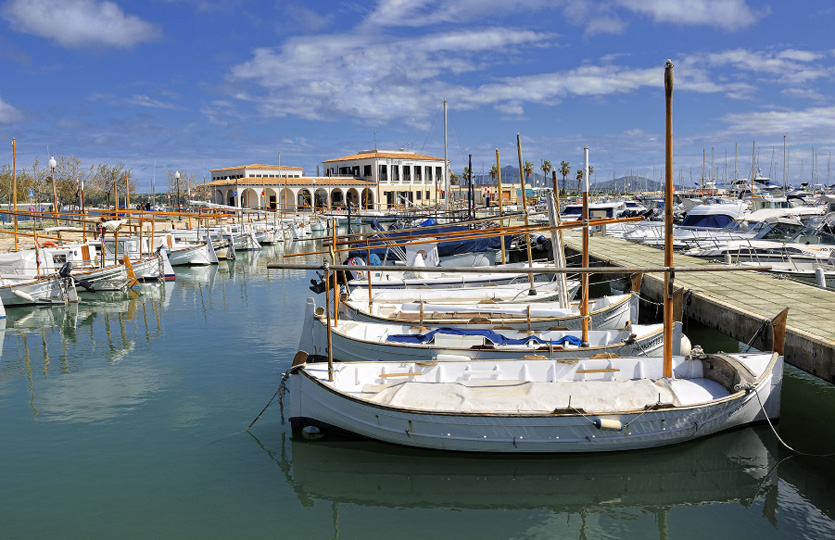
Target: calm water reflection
[(117, 415)]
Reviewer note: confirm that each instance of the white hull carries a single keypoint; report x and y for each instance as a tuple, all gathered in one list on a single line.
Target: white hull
[(363, 342), (461, 406), (440, 280), (199, 254), (51, 290), (508, 293), (606, 313)]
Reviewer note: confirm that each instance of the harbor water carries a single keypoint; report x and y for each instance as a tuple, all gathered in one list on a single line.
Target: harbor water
[(124, 417)]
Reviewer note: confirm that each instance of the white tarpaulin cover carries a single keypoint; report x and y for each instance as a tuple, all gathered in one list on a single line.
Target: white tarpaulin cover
[(492, 396)]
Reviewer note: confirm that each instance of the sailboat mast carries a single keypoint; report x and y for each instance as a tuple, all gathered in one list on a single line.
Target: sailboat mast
[(525, 210), (446, 163), (668, 224), (584, 278), (784, 162), (14, 182)]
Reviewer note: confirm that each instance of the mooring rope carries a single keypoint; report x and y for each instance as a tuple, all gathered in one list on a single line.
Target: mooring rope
[(280, 391), (774, 430)]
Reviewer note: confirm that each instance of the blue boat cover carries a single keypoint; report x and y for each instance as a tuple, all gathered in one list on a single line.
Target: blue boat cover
[(494, 337), (709, 221)]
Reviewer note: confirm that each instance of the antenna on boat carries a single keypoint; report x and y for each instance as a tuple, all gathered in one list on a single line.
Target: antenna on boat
[(669, 275)]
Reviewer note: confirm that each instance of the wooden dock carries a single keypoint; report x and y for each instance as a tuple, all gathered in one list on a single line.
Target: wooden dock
[(735, 303)]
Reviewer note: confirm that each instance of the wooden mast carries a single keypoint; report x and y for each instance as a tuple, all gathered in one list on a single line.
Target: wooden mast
[(669, 276), (525, 210), (584, 278), (14, 182), (501, 209)]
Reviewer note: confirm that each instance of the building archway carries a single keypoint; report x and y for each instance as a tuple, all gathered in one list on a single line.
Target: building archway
[(271, 199), (249, 198), (353, 197), (304, 199), (337, 198), (285, 200), (367, 198), (219, 197), (320, 198)]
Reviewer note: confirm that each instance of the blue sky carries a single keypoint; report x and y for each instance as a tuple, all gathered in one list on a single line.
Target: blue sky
[(195, 85)]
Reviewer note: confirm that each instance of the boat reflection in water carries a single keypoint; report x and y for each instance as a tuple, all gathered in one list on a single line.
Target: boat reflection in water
[(733, 467)]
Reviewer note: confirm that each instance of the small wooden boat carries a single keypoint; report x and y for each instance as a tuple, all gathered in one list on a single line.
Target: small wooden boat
[(391, 277), (505, 294), (608, 312), (519, 406), (355, 341)]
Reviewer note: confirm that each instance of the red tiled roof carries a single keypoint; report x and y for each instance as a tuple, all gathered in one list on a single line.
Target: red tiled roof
[(390, 155), (256, 166), (305, 180)]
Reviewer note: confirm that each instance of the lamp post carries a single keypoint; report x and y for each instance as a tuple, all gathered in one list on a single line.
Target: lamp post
[(52, 165), (177, 178)]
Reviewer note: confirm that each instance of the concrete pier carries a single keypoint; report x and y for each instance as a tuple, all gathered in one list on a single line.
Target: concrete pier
[(735, 303)]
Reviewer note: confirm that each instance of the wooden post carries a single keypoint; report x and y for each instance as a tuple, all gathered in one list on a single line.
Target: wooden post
[(584, 278), (368, 260), (501, 210), (525, 210), (14, 183), (669, 276), (328, 315), (38, 259), (335, 280)]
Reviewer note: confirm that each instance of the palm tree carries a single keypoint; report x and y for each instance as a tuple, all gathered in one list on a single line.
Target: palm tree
[(494, 172), (580, 176), (546, 168), (565, 168)]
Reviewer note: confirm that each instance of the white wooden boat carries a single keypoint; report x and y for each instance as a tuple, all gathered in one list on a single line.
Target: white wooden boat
[(52, 289), (517, 406), (508, 293), (385, 277), (355, 341), (608, 312)]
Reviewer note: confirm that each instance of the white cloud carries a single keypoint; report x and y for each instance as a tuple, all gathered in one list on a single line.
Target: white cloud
[(725, 14), (747, 69), (803, 93), (372, 77), (79, 23), (417, 13), (804, 122), (8, 113), (147, 101)]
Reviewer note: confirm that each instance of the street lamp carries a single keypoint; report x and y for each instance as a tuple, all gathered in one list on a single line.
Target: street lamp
[(177, 178), (52, 165)]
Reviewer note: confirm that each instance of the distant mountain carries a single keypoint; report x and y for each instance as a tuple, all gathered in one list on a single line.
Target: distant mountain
[(625, 184)]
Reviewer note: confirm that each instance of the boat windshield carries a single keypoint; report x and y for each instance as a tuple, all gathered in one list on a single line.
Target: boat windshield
[(812, 236), (780, 231)]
